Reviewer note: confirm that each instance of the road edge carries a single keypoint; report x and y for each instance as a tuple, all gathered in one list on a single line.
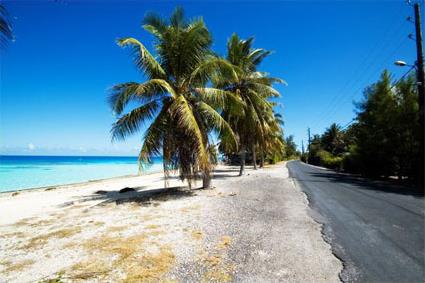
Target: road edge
[(318, 219)]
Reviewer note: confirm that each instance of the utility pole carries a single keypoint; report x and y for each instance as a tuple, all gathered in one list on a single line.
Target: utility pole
[(421, 87), (302, 147), (308, 147)]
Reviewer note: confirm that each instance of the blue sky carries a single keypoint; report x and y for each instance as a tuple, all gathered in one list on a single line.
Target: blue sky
[(56, 75)]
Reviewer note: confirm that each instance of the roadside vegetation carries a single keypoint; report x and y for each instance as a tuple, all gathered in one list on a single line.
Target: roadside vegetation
[(192, 97), (384, 139)]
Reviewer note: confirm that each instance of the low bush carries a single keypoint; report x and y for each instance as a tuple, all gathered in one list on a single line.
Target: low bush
[(330, 161)]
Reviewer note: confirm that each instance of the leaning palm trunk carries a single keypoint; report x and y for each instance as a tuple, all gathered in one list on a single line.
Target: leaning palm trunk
[(261, 158), (243, 157), (206, 180), (254, 157)]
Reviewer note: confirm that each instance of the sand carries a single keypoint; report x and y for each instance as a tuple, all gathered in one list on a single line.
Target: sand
[(249, 228)]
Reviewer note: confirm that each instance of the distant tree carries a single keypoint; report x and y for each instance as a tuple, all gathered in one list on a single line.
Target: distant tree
[(314, 148), (253, 124), (376, 116), (384, 140), (406, 129), (290, 147), (332, 139)]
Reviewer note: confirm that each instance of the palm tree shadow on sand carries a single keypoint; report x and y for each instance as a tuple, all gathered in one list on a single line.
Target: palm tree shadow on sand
[(144, 196), (138, 195)]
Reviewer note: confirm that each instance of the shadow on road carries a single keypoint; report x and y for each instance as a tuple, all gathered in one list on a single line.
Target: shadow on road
[(364, 184)]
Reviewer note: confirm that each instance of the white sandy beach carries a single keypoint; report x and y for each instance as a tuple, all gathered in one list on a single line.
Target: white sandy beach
[(89, 232)]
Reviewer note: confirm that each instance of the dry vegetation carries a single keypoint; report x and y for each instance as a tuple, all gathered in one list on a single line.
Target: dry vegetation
[(216, 267), (41, 240), (16, 267), (197, 235), (139, 245), (129, 255)]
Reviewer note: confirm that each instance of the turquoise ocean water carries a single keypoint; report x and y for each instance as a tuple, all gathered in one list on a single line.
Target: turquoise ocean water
[(25, 172)]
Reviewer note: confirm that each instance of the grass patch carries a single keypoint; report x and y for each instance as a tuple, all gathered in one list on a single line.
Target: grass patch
[(43, 222), (123, 259), (123, 247), (152, 226), (190, 208), (17, 234), (19, 266), (197, 235), (149, 217), (151, 267), (217, 275), (97, 223), (156, 233), (24, 221), (225, 242), (117, 228), (89, 269), (216, 268), (213, 260), (5, 263), (41, 240)]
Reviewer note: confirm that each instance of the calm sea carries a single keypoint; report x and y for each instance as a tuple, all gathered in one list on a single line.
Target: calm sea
[(25, 172)]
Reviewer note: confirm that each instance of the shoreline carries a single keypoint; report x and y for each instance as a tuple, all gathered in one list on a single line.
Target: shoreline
[(83, 183), (61, 186), (29, 172)]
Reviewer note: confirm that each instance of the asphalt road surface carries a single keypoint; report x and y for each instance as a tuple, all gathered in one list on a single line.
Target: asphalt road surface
[(376, 229)]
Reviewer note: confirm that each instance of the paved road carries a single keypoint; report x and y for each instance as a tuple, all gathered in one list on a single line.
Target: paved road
[(377, 230)]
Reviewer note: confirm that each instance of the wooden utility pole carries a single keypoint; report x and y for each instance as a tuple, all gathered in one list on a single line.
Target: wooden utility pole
[(308, 147), (421, 87)]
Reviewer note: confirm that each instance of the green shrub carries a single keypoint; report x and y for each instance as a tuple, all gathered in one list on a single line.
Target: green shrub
[(351, 160), (330, 161)]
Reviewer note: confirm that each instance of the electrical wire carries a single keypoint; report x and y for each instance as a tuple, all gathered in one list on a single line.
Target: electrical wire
[(340, 97)]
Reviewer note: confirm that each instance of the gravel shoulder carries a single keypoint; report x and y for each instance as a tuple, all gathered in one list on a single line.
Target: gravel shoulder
[(254, 228)]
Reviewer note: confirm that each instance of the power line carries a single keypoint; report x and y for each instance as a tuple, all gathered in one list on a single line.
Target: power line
[(402, 77), (384, 43), (357, 73), (371, 75), (394, 85)]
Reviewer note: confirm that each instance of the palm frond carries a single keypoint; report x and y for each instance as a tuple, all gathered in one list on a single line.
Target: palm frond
[(6, 33), (257, 56), (121, 94), (177, 18), (142, 58), (130, 123), (183, 113), (210, 67), (218, 98), (153, 138), (217, 122), (154, 24)]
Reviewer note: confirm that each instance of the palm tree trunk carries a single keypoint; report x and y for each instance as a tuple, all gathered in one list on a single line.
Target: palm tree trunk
[(206, 180), (243, 157), (261, 158), (254, 156)]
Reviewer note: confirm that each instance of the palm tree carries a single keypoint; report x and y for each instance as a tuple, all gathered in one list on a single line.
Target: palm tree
[(273, 143), (254, 88), (5, 26), (174, 97), (333, 139)]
